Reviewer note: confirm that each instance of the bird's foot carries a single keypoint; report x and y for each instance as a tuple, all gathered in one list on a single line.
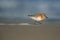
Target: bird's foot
[(35, 23), (39, 23)]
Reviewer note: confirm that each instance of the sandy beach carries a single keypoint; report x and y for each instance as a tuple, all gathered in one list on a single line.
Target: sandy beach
[(49, 30)]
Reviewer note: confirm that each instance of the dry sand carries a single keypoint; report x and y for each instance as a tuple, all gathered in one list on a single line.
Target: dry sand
[(47, 31)]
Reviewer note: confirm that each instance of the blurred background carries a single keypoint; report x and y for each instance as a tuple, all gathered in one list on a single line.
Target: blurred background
[(16, 25), (21, 8)]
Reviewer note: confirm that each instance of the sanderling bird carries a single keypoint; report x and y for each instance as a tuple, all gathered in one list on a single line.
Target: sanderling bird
[(38, 17)]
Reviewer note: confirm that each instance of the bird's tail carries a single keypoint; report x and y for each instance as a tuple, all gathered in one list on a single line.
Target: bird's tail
[(30, 15)]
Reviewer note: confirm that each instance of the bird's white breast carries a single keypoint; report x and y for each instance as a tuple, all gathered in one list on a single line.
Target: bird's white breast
[(36, 18)]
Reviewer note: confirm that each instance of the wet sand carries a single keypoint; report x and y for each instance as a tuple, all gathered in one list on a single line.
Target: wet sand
[(47, 31)]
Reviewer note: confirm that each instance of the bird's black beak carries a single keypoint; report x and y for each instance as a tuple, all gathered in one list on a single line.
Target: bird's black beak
[(46, 17)]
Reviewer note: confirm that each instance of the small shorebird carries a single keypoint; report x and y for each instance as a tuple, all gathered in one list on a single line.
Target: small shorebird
[(38, 17)]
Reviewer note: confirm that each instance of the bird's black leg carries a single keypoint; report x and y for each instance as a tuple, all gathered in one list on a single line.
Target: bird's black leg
[(35, 22), (39, 22)]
